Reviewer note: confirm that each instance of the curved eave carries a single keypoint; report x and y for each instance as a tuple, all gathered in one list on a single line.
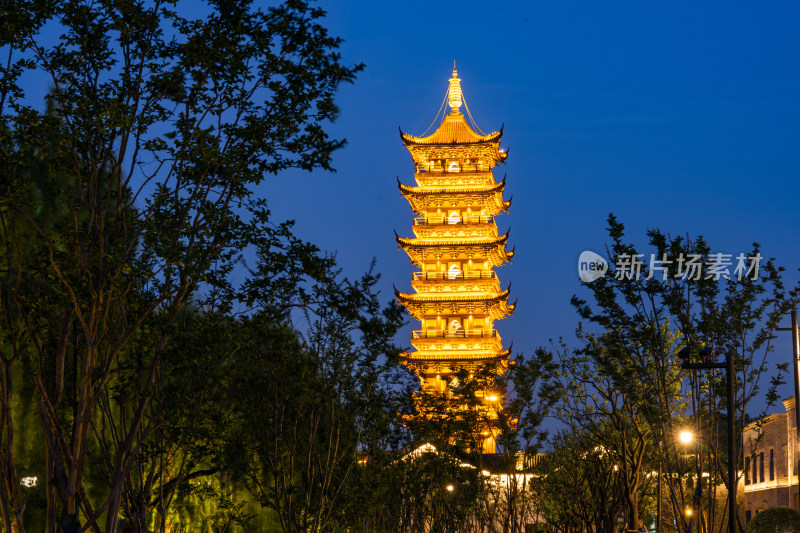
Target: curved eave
[(405, 297), (411, 140), (492, 203), (404, 242), (418, 357), (423, 191)]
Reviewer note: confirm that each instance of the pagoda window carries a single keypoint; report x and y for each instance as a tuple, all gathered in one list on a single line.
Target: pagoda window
[(454, 217), (454, 272), (454, 329), (454, 167)]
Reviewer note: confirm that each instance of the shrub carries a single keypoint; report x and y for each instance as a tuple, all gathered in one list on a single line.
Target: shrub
[(777, 520)]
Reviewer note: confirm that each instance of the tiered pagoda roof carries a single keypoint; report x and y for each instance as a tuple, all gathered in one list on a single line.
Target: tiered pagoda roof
[(419, 305), (487, 197), (453, 130), (456, 247), (451, 138), (421, 249)]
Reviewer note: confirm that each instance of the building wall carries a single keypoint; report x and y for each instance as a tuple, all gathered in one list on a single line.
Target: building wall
[(777, 442)]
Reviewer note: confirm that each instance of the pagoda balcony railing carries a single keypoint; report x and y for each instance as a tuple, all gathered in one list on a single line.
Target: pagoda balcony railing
[(447, 169), (473, 274), (446, 220), (453, 333)]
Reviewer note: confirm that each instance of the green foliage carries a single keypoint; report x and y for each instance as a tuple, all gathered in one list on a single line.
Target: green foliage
[(426, 491), (126, 203), (578, 487), (776, 520), (626, 370), (305, 405)]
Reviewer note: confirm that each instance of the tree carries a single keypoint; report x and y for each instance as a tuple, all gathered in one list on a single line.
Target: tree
[(460, 419), (775, 520), (578, 488), (612, 420), (521, 437), (307, 403), (640, 322), (160, 125)]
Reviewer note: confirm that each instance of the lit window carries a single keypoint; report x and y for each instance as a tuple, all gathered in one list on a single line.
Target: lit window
[(454, 272), (771, 464), (454, 218), (746, 470), (453, 167), (455, 327)]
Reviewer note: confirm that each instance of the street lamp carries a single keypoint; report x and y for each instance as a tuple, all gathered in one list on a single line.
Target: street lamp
[(795, 329), (685, 437), (448, 514), (685, 355)]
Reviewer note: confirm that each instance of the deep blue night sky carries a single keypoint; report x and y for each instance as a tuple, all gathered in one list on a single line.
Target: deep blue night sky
[(679, 115)]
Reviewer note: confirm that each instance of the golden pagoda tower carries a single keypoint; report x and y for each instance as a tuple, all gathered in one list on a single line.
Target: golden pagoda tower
[(456, 248)]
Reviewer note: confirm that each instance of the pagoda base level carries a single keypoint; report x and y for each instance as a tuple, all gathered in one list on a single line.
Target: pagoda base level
[(437, 406)]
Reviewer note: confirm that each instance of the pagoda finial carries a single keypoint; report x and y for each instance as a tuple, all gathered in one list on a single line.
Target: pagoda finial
[(454, 90)]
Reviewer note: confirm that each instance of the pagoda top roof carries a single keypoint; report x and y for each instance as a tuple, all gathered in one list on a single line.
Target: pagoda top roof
[(453, 130)]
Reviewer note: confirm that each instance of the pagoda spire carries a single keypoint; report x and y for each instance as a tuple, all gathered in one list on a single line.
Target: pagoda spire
[(454, 91)]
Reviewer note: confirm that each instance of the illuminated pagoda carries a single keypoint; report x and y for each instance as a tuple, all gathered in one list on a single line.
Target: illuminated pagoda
[(457, 295)]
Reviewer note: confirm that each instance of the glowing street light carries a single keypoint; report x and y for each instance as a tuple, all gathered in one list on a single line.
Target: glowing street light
[(449, 488), (492, 398), (685, 437), (705, 354)]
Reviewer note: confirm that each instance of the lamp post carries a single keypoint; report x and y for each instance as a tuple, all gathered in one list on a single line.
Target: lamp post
[(685, 356), (448, 514), (658, 505), (795, 329), (685, 437)]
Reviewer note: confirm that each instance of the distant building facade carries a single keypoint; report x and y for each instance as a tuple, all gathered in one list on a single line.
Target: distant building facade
[(770, 464)]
